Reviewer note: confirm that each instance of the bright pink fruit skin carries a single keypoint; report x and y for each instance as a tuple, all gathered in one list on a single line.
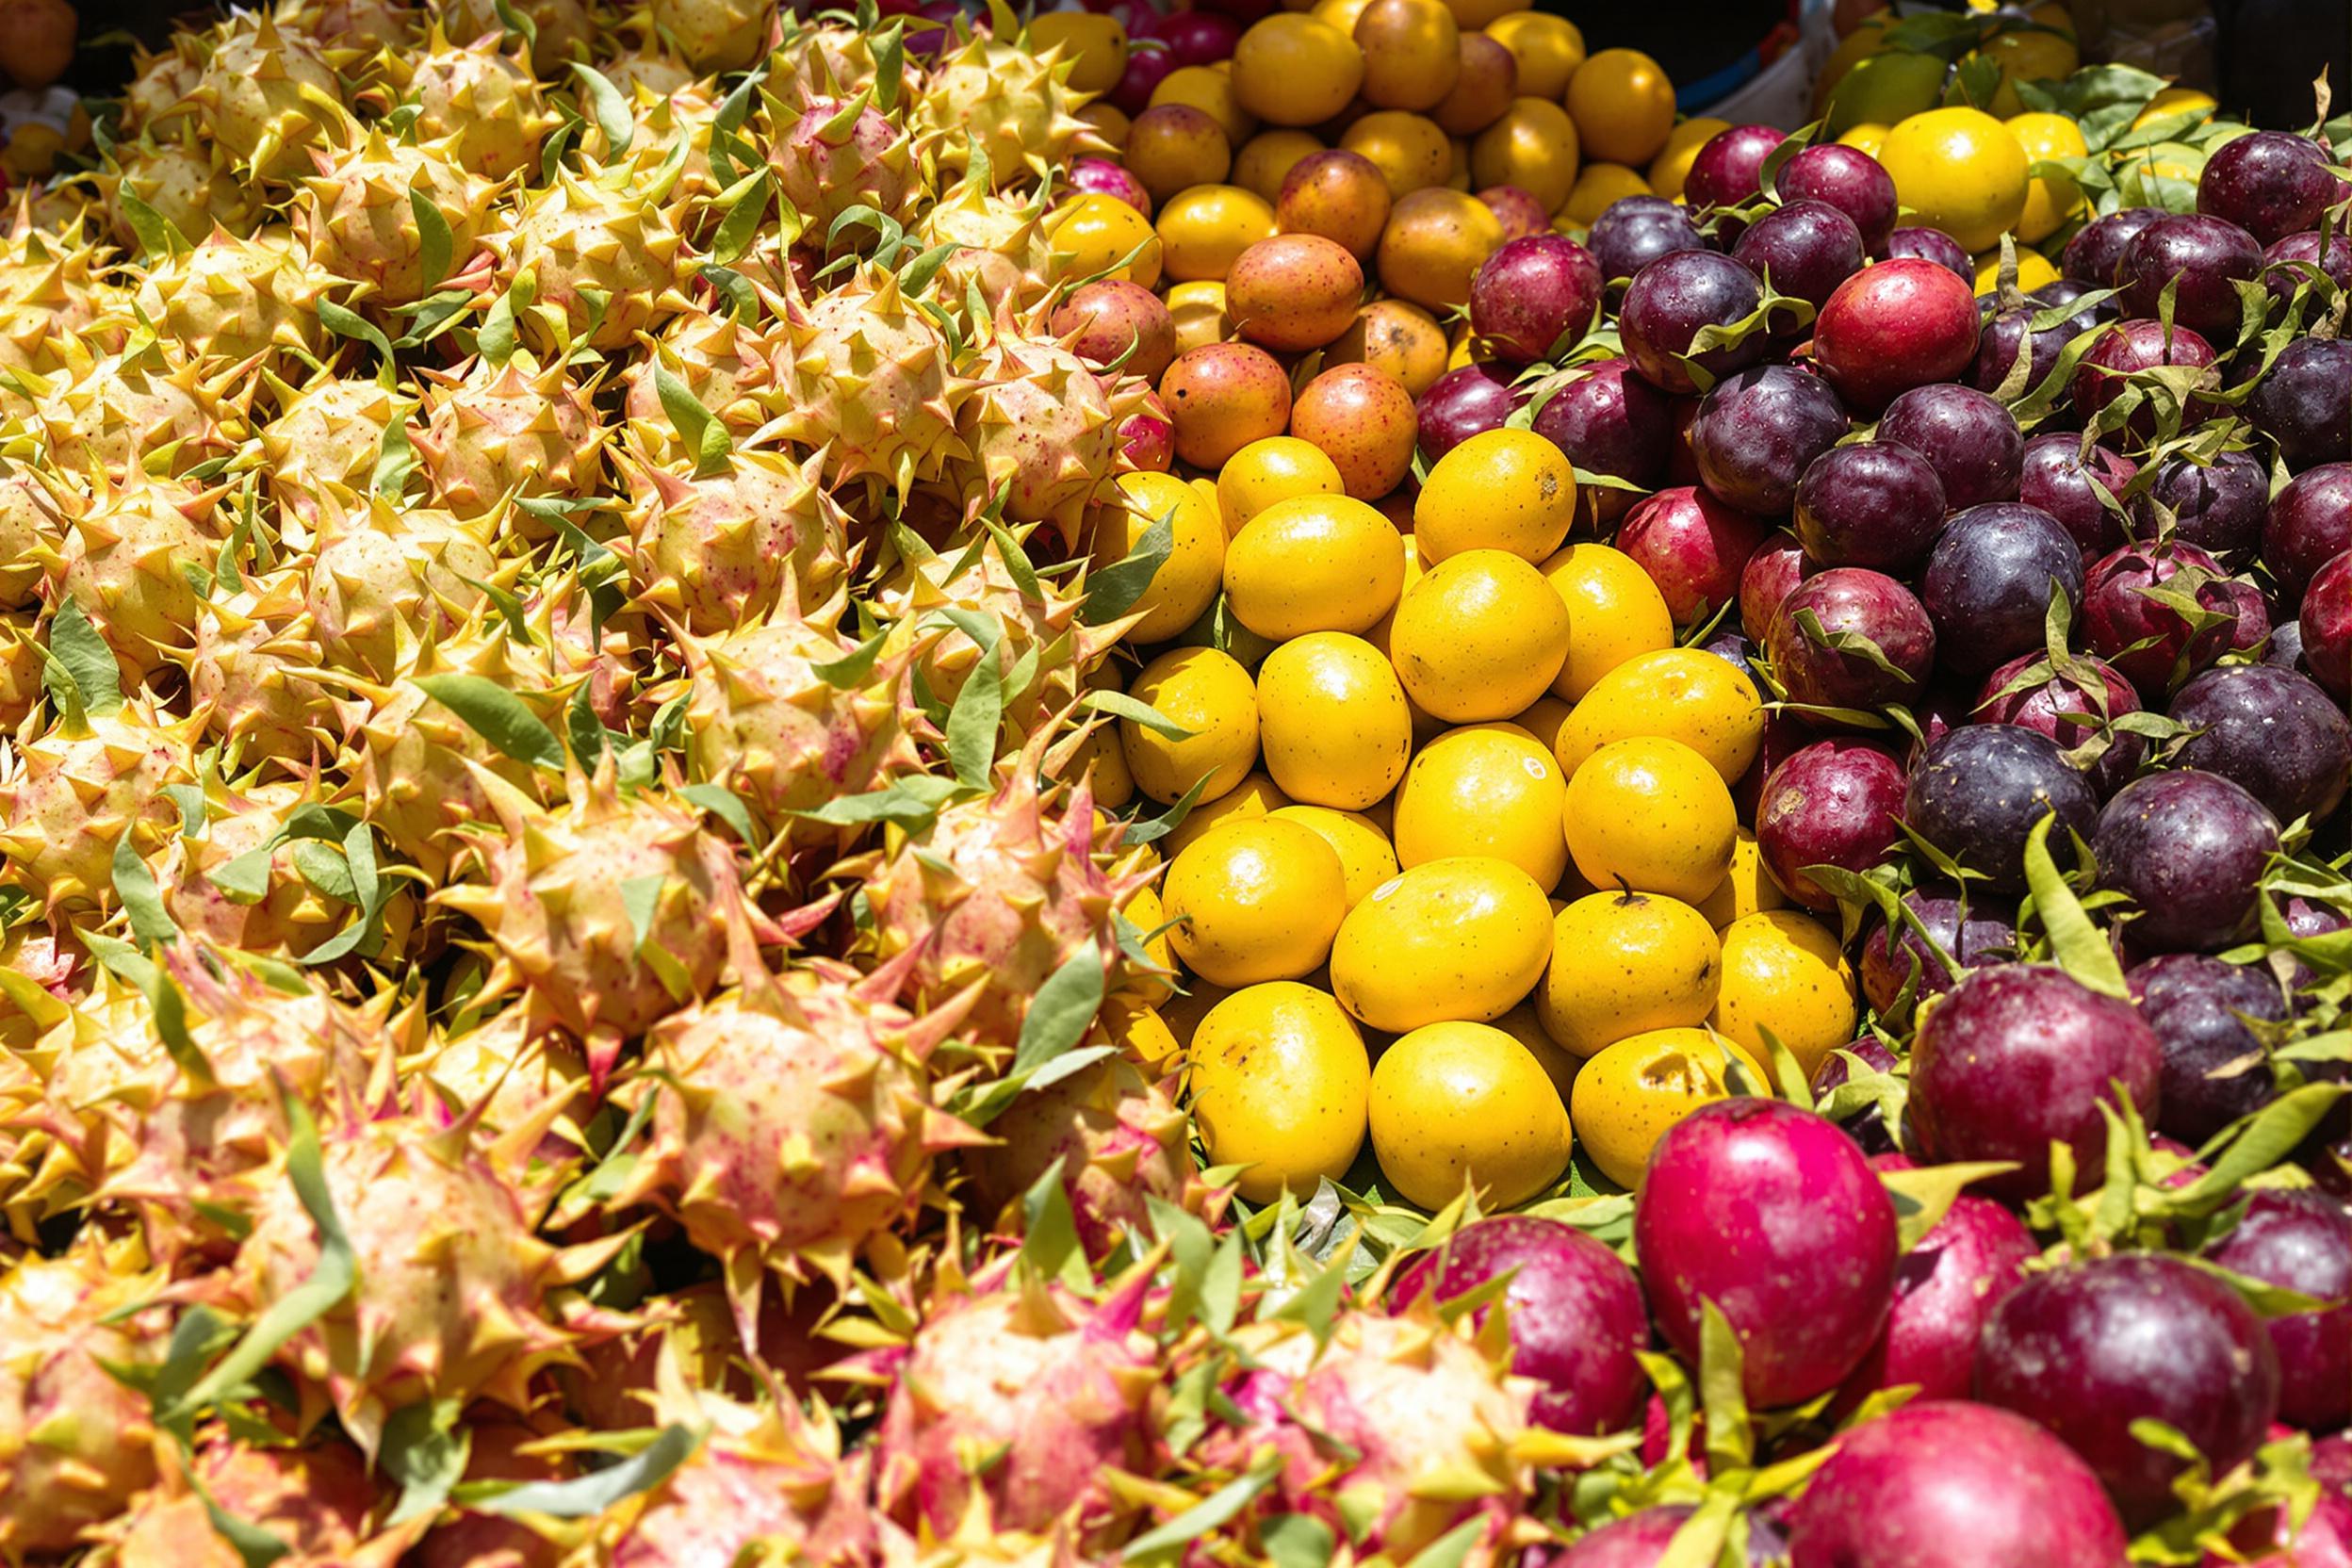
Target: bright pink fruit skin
[(1640, 1540), (1729, 169), (2303, 1241), (2327, 623), (1770, 577), (1947, 1484), (1946, 1287), (1772, 1214), (2324, 1542), (1577, 1323), (1694, 546), (1889, 328), (2019, 1054), (1102, 177)]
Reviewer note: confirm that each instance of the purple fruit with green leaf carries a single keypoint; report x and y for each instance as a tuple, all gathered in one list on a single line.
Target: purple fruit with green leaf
[(2219, 506), (2091, 255), (1978, 930), (2309, 524), (2073, 708), (1977, 793), (1832, 804), (2215, 1067), (1634, 230), (2157, 613), (1755, 432), (1672, 300), (1803, 249), (1990, 582), (2188, 849), (2054, 476), (2272, 732), (2269, 184), (1851, 638), (2301, 1241)]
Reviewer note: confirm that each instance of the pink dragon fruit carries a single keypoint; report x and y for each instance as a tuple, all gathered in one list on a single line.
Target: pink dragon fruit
[(150, 408), (126, 547), (316, 1499), (382, 580), (840, 155), (760, 1486), (1121, 1141), (495, 431), (1043, 428), (481, 100), (866, 379), (69, 794), (724, 548)]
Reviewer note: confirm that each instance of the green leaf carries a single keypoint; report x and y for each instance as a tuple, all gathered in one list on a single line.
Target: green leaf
[(435, 244), (518, 21), (1924, 1196), (723, 804), (641, 899), (1128, 707), (693, 423), (611, 110), (851, 670), (325, 870), (1722, 1375), (255, 1547), (425, 1450), (1049, 1238), (740, 228), (1115, 590), (586, 1496), (135, 884), (499, 716), (2082, 950), (1062, 1010), (157, 235), (1214, 1511), (1453, 1548), (396, 463), (345, 323), (79, 659), (2256, 1144), (911, 803), (973, 724), (194, 810), (1296, 1540), (245, 879)]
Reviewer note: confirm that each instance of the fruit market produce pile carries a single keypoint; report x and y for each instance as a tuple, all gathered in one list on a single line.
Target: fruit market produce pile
[(780, 794)]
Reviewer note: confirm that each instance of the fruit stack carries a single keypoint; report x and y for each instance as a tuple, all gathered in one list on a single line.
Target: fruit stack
[(774, 797)]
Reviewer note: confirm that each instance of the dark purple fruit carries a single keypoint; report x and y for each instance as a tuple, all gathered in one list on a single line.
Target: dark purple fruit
[(2310, 525), (1671, 300), (2201, 257), (1772, 1214), (2125, 348), (1609, 422), (1462, 403), (2009, 332), (2271, 731), (2304, 402), (2302, 1240), (1755, 433), (1728, 168), (2269, 184), (1634, 230), (1832, 804), (2087, 1350), (2054, 477), (1920, 244), (2188, 849), (2283, 261), (2219, 507), (1870, 505), (2328, 627), (2149, 641), (1867, 1126), (2017, 1055), (1977, 793), (1805, 248), (1973, 442), (1848, 179), (1989, 581), (2071, 710), (1535, 292), (1807, 641), (2091, 255), (2215, 1070), (1977, 931)]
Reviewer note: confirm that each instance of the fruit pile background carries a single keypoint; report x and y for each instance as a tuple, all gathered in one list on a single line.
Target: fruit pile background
[(1229, 788)]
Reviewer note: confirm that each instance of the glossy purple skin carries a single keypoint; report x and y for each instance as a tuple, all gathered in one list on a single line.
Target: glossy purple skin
[(2331, 255), (1977, 793), (1693, 547), (1728, 168), (1197, 38), (1772, 1214), (1462, 403), (1832, 804), (1671, 300), (1610, 421), (1634, 230), (1806, 248), (1532, 294), (1973, 442), (1944, 1483), (2328, 627), (1868, 1127), (1146, 69), (2193, 1001), (2118, 618), (2304, 402), (2272, 732), (2008, 331), (2219, 507), (1946, 1287), (1989, 581), (2188, 849), (1980, 931), (2067, 711), (2285, 650), (2089, 1349), (2310, 525), (1577, 1320), (1755, 432), (2054, 477), (1848, 179), (2206, 255), (2091, 256), (1934, 245), (1640, 1540), (2125, 347), (1851, 599), (1870, 505), (1766, 581), (2303, 1241), (2017, 1055), (2269, 184)]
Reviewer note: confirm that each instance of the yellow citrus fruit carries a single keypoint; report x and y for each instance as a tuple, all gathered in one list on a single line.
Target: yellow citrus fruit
[(1747, 888), (1270, 470), (1255, 796), (1140, 1032), (1597, 185), (1279, 1084), (1522, 1024), (1202, 691), (1333, 721), (1623, 963), (1960, 170), (1434, 243), (1534, 147), (1487, 789), (1548, 49), (1313, 562), (2174, 101), (1868, 39), (1458, 939), (1687, 694), (1199, 310), (1202, 230), (2052, 199), (1257, 899), (1266, 157), (2028, 56), (1672, 166), (2033, 270), (1094, 44), (1623, 105), (1480, 636), (1456, 1105), (1615, 613), (1783, 972), (1884, 89), (1195, 568), (1651, 814), (1501, 490), (1212, 92), (1629, 1095), (1412, 53), (1409, 151), (1542, 719), (1099, 233), (1293, 70), (1365, 859), (1869, 137)]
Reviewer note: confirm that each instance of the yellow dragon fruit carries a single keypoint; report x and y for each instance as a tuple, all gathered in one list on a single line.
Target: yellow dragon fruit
[(148, 407), (502, 1073), (248, 673), (232, 299), (724, 366), (317, 1500), (824, 56), (21, 662), (324, 446), (363, 27), (843, 154), (478, 104), (718, 549), (865, 376), (161, 81), (652, 63), (659, 120), (1002, 253), (266, 94), (1043, 429), (997, 98), (290, 916), (187, 183), (31, 531), (1120, 1138), (69, 794), (494, 432), (382, 580), (123, 559), (357, 220), (716, 35), (604, 231), (563, 30), (53, 289)]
